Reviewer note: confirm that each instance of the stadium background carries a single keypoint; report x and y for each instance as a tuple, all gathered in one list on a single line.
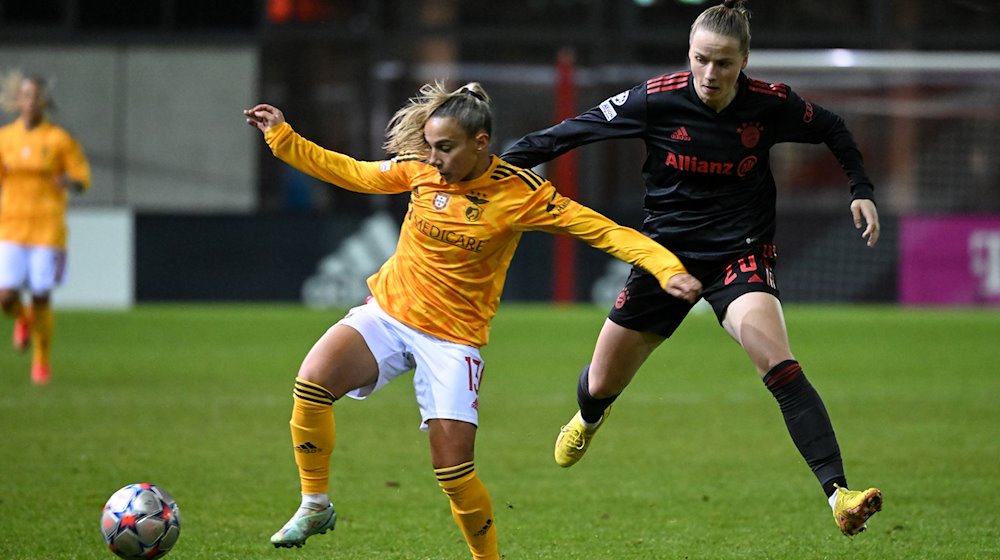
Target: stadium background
[(188, 205)]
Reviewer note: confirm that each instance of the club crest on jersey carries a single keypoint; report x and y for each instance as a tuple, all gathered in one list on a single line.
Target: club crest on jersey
[(750, 134), (622, 298), (473, 211), (441, 200), (476, 198), (620, 99), (385, 165)]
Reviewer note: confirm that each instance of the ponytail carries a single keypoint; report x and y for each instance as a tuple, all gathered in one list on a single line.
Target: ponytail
[(469, 106)]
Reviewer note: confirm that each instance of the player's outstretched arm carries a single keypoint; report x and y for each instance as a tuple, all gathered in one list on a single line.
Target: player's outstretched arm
[(628, 245), (264, 116), (865, 214)]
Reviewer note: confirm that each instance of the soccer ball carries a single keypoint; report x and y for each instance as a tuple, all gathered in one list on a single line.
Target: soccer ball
[(141, 521)]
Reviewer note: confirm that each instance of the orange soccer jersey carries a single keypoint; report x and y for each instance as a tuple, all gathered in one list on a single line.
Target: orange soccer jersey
[(32, 202), (457, 240)]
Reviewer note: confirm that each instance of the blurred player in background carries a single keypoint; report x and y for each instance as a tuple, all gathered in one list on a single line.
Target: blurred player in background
[(710, 198), (433, 300), (39, 164)]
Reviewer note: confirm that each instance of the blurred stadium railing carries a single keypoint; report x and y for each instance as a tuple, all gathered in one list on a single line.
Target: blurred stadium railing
[(154, 93)]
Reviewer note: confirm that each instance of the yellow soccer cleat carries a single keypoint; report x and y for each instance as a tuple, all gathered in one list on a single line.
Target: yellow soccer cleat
[(574, 438), (852, 509), (304, 524)]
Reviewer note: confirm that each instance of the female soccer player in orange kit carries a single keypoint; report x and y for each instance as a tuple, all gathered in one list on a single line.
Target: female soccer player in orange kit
[(39, 164), (433, 300)]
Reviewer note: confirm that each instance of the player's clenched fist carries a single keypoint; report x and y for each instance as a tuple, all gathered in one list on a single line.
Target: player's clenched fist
[(685, 287)]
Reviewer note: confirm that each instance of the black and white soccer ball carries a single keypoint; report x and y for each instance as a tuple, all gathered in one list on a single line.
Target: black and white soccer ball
[(141, 521)]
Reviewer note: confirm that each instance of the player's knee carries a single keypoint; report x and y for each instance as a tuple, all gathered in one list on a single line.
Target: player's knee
[(7, 299), (452, 442), (315, 372), (338, 378)]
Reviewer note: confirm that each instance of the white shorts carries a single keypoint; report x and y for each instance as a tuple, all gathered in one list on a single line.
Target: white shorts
[(446, 376), (39, 269)]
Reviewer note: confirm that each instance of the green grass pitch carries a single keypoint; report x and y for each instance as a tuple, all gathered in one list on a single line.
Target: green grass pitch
[(695, 462)]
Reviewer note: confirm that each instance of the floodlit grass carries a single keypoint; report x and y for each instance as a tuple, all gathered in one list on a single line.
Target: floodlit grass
[(694, 463)]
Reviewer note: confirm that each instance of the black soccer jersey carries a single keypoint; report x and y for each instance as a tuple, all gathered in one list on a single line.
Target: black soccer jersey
[(710, 193)]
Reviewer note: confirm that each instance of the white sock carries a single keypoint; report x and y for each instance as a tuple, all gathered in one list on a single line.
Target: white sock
[(833, 498), (315, 501), (591, 425)]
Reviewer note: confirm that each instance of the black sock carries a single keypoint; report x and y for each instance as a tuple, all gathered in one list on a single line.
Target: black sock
[(591, 408), (808, 423)]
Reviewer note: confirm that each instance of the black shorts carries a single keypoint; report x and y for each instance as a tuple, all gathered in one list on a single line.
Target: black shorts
[(642, 305)]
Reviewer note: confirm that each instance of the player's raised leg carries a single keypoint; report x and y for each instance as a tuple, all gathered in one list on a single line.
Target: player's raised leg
[(618, 354), (756, 321), (313, 438), (340, 361)]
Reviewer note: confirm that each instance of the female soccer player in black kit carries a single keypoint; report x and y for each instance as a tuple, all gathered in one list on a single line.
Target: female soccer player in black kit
[(710, 198)]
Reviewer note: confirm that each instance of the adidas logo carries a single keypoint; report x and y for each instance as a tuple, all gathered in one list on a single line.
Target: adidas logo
[(307, 447), (485, 529), (681, 134)]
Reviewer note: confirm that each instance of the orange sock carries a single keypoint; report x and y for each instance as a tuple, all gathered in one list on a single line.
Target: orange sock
[(42, 329), (313, 435), (472, 509), (22, 323)]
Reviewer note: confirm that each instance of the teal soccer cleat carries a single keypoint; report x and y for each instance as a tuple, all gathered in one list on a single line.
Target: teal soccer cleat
[(304, 524)]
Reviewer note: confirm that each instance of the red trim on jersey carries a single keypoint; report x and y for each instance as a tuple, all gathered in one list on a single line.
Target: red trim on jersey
[(777, 90), (667, 82)]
